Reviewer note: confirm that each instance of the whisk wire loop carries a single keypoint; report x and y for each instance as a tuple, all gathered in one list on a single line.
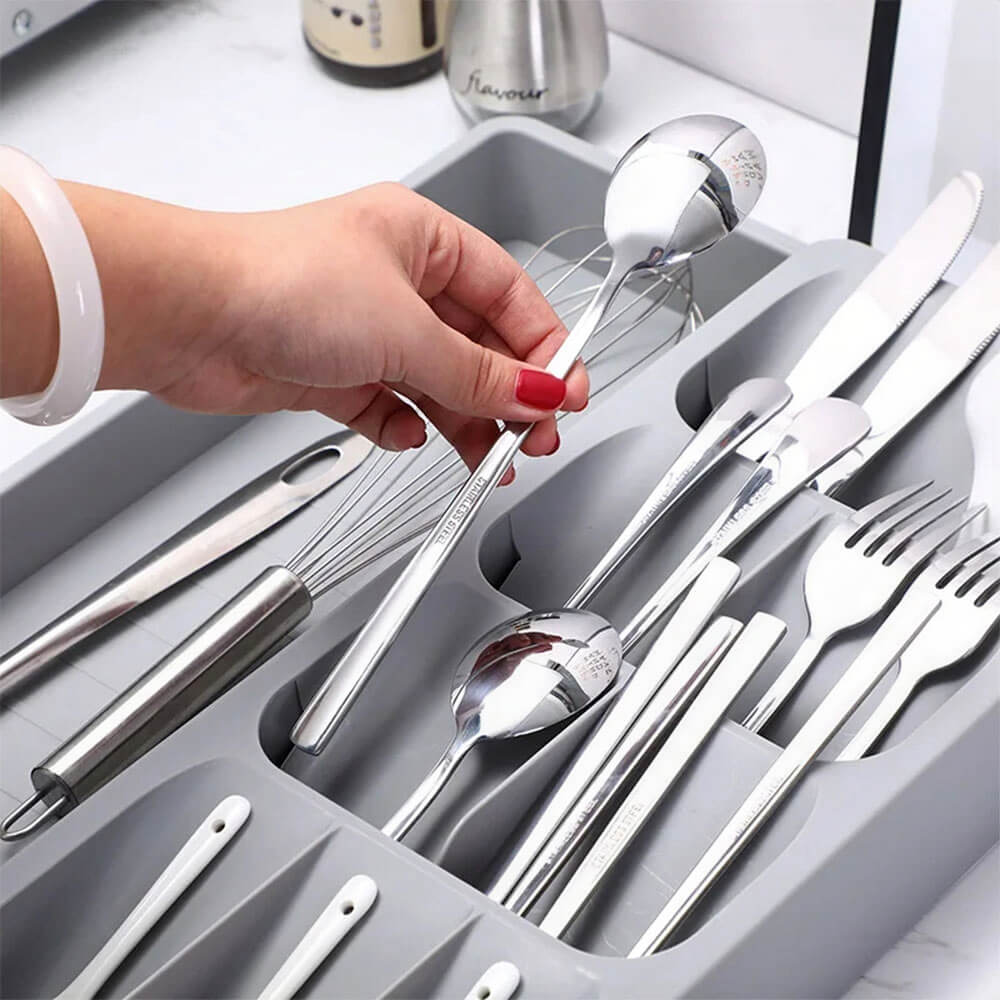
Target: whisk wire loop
[(401, 494)]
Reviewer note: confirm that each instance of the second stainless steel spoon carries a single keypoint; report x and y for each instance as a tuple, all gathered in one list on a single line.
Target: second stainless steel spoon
[(525, 675)]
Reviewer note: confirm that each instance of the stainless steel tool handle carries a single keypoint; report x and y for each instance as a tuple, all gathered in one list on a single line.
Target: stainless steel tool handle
[(786, 682), (186, 680), (662, 710), (816, 438), (340, 690), (741, 661), (748, 407), (401, 821), (896, 633), (257, 506), (693, 614)]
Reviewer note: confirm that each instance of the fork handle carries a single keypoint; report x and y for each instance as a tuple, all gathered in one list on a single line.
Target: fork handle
[(786, 682), (892, 703)]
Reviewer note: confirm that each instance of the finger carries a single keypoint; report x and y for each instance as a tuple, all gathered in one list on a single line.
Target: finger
[(543, 439), (371, 410), (463, 376), (577, 382), (477, 329), (478, 274), (473, 437)]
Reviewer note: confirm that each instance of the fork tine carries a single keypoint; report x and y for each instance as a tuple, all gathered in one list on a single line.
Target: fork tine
[(969, 574), (947, 564), (921, 549), (984, 589), (885, 527), (866, 516)]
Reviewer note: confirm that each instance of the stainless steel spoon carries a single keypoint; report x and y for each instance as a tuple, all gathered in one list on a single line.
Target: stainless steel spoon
[(675, 193), (526, 674)]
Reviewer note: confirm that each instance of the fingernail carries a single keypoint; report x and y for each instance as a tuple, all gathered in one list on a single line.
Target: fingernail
[(539, 389)]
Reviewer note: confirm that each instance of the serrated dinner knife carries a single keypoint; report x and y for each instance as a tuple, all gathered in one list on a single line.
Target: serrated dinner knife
[(956, 336), (880, 305)]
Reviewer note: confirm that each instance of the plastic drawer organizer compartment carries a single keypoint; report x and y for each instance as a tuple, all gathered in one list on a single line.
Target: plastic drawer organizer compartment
[(849, 864)]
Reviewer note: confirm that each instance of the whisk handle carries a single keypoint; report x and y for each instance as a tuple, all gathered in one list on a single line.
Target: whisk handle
[(330, 705), (187, 679)]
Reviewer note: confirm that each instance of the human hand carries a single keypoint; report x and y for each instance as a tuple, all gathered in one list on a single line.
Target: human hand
[(331, 305)]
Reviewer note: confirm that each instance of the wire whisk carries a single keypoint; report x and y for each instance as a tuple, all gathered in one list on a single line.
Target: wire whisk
[(400, 495)]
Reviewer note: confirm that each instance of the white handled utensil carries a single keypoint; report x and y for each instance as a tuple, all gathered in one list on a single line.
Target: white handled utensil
[(499, 982), (344, 911), (214, 834)]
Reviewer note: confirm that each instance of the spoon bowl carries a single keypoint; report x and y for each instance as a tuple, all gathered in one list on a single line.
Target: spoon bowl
[(527, 674)]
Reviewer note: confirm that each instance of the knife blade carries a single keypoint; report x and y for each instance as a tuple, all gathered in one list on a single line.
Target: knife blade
[(880, 305), (254, 508), (954, 338)]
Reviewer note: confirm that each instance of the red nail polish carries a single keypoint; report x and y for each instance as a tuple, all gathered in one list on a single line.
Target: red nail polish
[(539, 389)]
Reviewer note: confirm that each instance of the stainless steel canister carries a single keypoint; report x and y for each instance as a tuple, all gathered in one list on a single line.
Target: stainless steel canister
[(543, 58)]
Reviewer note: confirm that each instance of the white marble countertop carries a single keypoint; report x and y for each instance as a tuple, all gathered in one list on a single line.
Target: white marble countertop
[(219, 105)]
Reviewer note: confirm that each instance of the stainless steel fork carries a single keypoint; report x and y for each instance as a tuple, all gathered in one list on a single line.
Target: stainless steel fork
[(855, 573), (967, 581)]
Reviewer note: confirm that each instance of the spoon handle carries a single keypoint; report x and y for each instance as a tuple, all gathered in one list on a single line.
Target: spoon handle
[(662, 710), (214, 833), (699, 721), (342, 913), (499, 982), (329, 706), (748, 407), (429, 789)]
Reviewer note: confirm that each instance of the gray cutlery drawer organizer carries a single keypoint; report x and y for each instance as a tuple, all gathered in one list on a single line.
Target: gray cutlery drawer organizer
[(850, 863)]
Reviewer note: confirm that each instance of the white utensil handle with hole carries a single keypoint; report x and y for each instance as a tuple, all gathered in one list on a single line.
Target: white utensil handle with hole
[(499, 982), (214, 834), (344, 911)]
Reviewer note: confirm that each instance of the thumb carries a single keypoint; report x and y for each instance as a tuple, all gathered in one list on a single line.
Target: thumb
[(468, 378)]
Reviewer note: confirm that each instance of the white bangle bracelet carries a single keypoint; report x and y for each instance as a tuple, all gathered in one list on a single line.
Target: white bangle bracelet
[(77, 290)]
